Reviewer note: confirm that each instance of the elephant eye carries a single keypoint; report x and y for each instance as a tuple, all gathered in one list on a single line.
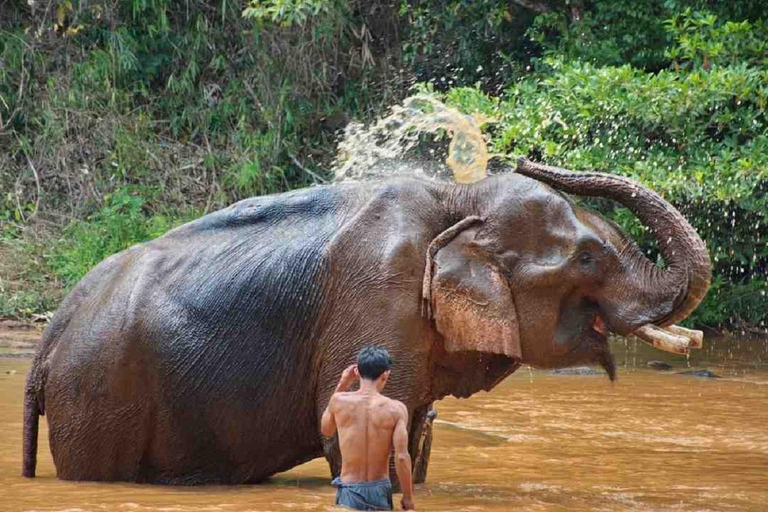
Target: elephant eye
[(586, 258)]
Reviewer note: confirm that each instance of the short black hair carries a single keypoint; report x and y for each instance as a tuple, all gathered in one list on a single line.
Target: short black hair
[(372, 362)]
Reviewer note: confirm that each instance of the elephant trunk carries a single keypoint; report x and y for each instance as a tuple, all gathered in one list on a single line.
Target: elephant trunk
[(663, 296)]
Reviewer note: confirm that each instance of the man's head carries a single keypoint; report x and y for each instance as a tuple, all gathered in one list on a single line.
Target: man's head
[(374, 364)]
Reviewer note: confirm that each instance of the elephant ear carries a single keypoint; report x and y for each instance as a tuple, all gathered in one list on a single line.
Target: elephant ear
[(467, 295)]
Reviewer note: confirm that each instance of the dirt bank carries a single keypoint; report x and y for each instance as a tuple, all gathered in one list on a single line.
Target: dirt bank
[(19, 339)]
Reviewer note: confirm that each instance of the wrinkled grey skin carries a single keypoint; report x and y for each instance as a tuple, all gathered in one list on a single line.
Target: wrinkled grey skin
[(208, 354)]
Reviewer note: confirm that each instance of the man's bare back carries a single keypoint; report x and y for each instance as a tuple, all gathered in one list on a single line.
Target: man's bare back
[(367, 423), (370, 425)]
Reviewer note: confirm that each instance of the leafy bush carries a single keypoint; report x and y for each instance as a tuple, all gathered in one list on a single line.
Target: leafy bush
[(703, 42), (616, 32), (122, 222), (188, 99), (291, 12), (489, 49), (27, 286)]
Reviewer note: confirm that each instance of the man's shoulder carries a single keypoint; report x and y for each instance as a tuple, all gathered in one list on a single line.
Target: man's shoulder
[(342, 399), (342, 396), (396, 406), (338, 398)]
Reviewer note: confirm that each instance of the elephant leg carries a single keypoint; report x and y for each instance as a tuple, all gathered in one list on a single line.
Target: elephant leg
[(332, 454), (421, 442), (419, 446)]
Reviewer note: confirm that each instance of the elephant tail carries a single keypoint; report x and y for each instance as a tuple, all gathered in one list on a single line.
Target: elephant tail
[(32, 413)]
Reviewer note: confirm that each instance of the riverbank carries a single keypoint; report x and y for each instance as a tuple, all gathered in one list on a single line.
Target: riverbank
[(19, 339)]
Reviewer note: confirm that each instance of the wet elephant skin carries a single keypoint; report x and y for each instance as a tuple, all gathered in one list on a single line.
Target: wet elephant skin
[(208, 354)]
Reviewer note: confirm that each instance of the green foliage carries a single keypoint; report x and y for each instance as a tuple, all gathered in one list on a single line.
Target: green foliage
[(14, 82), (290, 12), (154, 89), (703, 42), (615, 32), (697, 135), (26, 284), (190, 104), (740, 304), (23, 303), (122, 222), (460, 42)]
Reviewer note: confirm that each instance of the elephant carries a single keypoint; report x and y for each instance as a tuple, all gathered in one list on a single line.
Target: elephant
[(208, 354)]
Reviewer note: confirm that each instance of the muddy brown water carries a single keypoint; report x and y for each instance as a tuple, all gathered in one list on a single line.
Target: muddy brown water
[(653, 441)]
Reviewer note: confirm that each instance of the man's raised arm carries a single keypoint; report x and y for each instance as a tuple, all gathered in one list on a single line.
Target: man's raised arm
[(402, 457), (328, 422)]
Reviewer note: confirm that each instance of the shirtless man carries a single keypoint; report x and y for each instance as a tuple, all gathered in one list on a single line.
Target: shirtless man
[(369, 426)]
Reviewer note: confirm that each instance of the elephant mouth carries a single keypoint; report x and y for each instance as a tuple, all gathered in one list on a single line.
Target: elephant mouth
[(599, 346), (585, 337), (599, 326)]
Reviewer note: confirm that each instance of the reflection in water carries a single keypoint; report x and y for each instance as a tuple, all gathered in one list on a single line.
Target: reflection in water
[(654, 441)]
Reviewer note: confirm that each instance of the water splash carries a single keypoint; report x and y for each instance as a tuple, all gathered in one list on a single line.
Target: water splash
[(385, 148)]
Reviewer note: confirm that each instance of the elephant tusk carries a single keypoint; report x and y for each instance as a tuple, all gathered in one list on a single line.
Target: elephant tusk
[(696, 338), (663, 340)]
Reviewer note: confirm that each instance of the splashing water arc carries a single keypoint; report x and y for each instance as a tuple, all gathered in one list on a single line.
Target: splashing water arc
[(363, 149)]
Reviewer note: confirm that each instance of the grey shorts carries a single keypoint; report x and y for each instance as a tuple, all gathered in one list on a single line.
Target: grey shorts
[(375, 495)]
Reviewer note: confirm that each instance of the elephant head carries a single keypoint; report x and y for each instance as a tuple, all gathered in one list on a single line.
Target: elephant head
[(529, 275)]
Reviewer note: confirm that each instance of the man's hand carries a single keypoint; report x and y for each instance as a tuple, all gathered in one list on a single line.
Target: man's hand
[(407, 503), (348, 377)]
